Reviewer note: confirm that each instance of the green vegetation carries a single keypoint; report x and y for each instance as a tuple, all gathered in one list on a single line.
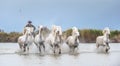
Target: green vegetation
[(9, 37), (86, 35), (89, 35), (115, 36)]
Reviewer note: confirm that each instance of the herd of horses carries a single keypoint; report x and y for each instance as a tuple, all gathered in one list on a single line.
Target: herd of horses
[(55, 39)]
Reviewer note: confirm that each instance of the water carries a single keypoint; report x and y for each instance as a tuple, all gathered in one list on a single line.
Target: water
[(86, 56)]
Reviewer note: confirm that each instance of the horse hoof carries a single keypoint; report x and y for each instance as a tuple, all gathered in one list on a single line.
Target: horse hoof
[(59, 52), (106, 50)]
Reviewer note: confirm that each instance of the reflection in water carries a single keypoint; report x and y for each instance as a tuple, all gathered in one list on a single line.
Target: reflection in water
[(86, 56)]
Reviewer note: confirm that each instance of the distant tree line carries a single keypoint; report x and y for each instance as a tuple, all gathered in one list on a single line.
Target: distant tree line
[(86, 35), (9, 37)]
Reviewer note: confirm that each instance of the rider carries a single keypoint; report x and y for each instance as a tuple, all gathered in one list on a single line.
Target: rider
[(30, 25)]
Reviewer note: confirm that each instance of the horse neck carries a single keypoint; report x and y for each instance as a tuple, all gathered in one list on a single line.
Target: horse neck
[(74, 37), (106, 36), (53, 34), (26, 37), (57, 36), (40, 34)]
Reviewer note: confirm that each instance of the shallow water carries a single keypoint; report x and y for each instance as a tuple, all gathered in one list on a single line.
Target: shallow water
[(87, 55)]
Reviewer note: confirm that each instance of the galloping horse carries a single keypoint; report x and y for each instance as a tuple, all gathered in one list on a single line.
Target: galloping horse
[(104, 40), (72, 41), (54, 38), (58, 40), (27, 39), (40, 37)]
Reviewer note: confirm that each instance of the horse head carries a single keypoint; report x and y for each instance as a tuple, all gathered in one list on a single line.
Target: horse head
[(75, 32), (53, 30), (28, 29), (58, 30), (106, 32), (40, 28), (58, 34)]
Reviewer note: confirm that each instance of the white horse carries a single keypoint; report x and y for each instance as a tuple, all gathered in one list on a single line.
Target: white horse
[(54, 38), (104, 40), (40, 38), (73, 41), (26, 40), (58, 40)]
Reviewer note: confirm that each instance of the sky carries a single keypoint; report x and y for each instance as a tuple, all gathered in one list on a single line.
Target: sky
[(84, 14)]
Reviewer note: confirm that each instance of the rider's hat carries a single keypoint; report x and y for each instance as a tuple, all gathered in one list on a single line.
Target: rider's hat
[(29, 21)]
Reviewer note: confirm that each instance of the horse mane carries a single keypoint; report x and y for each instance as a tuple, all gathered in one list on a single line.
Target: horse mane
[(45, 32)]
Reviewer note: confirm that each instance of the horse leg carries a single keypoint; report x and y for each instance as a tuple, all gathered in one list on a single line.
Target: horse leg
[(27, 48), (51, 45), (20, 46), (44, 47), (39, 46), (36, 44), (59, 50), (24, 48), (54, 47), (97, 45), (77, 48), (73, 49), (40, 49), (70, 49), (54, 51), (107, 47), (106, 50)]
